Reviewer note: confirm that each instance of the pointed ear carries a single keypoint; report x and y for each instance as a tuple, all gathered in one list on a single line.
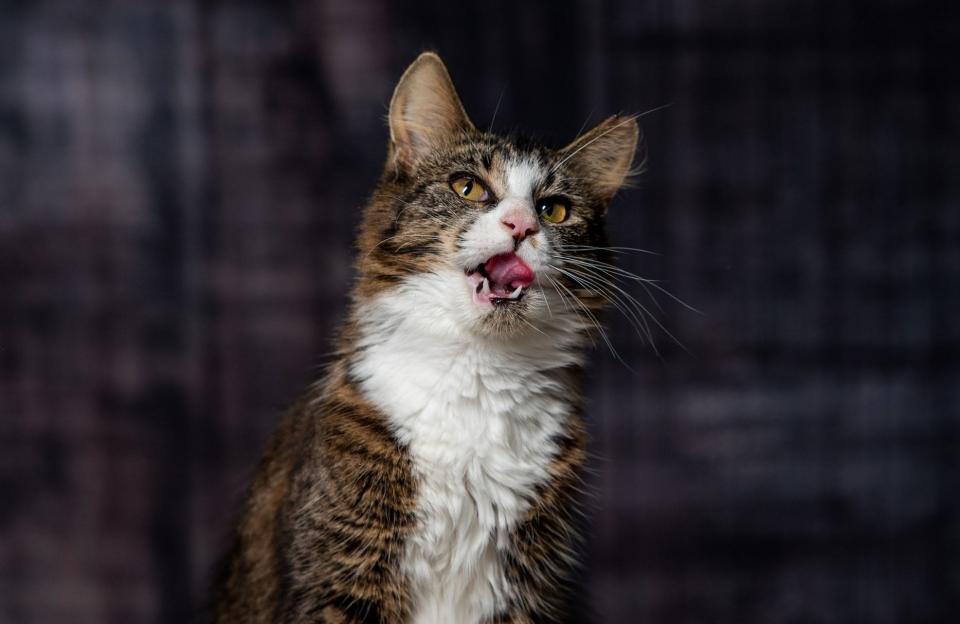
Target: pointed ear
[(604, 154), (425, 111)]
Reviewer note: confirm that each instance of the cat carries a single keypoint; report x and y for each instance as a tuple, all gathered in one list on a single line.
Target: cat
[(432, 476)]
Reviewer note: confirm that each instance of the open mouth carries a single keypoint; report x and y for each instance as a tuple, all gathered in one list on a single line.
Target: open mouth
[(501, 280)]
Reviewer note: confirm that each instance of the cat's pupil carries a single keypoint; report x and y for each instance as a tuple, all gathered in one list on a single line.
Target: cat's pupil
[(467, 187)]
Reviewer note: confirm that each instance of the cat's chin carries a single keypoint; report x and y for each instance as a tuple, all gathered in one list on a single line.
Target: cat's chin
[(503, 316), (507, 321)]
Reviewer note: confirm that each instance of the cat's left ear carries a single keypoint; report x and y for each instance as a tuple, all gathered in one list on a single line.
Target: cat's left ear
[(604, 154), (425, 111)]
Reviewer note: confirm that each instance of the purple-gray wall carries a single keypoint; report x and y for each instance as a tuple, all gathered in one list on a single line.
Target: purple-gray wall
[(179, 187)]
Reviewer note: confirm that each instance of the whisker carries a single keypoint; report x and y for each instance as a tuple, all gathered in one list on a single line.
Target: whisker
[(631, 276), (406, 244), (560, 294), (406, 204), (636, 319), (632, 300), (532, 326), (567, 306), (596, 323), (584, 124), (614, 249), (610, 270), (589, 315), (606, 132), (496, 109), (422, 236), (546, 299), (625, 302), (589, 143)]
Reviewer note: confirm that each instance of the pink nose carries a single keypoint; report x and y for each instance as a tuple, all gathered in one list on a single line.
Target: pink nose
[(521, 223)]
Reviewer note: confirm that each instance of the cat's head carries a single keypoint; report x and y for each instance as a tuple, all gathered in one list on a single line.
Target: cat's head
[(473, 230)]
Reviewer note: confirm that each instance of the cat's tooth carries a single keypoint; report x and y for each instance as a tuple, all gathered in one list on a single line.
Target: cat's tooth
[(485, 287), (515, 293)]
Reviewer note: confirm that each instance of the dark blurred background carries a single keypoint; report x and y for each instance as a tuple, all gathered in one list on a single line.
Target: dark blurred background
[(179, 187)]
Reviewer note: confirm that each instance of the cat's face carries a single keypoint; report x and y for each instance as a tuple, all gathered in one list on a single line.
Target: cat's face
[(475, 230)]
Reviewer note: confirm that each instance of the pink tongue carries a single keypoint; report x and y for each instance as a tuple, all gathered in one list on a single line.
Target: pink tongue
[(507, 269)]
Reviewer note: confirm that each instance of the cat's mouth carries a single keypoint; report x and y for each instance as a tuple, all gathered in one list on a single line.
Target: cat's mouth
[(500, 280)]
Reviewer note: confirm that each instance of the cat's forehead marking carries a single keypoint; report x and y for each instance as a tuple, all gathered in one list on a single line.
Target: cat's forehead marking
[(523, 176)]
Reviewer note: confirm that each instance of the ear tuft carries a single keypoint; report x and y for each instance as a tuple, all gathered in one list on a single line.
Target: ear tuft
[(425, 111), (604, 154)]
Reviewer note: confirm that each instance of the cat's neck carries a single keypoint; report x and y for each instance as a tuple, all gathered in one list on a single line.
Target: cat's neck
[(412, 358)]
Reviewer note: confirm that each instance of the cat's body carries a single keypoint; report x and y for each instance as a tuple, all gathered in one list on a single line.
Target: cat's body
[(432, 477)]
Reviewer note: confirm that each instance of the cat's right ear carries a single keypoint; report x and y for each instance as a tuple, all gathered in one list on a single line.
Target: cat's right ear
[(425, 112), (604, 155)]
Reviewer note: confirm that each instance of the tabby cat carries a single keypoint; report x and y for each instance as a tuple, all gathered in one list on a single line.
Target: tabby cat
[(432, 475)]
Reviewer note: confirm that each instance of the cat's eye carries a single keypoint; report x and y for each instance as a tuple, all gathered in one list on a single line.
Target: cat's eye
[(553, 210), (469, 188)]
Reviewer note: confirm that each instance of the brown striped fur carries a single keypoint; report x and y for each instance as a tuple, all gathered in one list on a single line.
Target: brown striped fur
[(335, 497)]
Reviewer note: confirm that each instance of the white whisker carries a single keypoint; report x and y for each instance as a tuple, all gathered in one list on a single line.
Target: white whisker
[(496, 109), (636, 319), (596, 323), (627, 120), (630, 276)]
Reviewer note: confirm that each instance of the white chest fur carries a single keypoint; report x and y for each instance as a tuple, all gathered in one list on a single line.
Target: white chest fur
[(479, 418)]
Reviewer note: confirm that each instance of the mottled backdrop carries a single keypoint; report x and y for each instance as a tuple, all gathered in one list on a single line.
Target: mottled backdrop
[(179, 187)]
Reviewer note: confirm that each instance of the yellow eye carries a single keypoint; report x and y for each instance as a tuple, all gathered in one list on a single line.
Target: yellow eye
[(553, 210), (469, 188)]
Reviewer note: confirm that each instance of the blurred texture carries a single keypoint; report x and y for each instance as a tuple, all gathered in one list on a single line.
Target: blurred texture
[(179, 187)]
